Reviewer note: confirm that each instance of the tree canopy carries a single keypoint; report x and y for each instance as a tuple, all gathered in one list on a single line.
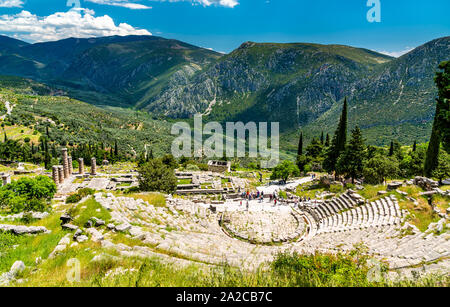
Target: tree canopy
[(155, 176), (285, 170)]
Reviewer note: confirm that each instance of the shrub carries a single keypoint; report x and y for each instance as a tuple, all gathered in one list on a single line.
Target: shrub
[(321, 270), (74, 198), (192, 168), (170, 161), (27, 218), (336, 188), (27, 194), (154, 176), (131, 190), (285, 170)]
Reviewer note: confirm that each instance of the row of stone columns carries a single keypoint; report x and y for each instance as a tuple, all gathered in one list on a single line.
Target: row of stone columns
[(62, 172)]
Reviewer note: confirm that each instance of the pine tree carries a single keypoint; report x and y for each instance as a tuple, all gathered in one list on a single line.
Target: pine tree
[(300, 145)]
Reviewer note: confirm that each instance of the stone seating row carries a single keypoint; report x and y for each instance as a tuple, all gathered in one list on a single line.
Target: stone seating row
[(382, 212)]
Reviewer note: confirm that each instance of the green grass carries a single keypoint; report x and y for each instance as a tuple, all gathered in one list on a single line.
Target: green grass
[(309, 190), (184, 181), (93, 209), (30, 247), (441, 202), (19, 132), (155, 199), (288, 270)]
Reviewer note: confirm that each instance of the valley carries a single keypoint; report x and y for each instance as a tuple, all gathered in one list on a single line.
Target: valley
[(300, 85)]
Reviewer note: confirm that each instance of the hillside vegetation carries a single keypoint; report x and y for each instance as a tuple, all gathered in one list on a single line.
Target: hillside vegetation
[(300, 85), (66, 121)]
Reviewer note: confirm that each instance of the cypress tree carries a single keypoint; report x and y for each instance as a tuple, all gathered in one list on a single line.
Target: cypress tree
[(46, 155), (391, 149), (321, 139), (338, 142), (432, 159), (441, 124), (342, 129), (300, 145), (327, 142), (442, 118), (414, 146)]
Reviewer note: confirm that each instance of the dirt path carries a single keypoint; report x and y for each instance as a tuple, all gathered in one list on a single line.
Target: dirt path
[(9, 109)]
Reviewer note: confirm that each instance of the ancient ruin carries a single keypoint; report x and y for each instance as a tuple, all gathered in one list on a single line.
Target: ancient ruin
[(219, 166), (69, 161), (65, 161), (6, 179), (93, 166), (55, 174), (80, 166)]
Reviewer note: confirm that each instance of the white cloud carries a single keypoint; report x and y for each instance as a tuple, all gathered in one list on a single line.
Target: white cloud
[(225, 3), (79, 23), (11, 3), (122, 3), (397, 54)]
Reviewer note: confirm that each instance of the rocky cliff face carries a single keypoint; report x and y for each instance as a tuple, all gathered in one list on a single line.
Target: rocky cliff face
[(303, 84)]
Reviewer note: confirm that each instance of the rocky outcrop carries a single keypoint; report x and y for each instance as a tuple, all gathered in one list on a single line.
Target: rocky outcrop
[(21, 229)]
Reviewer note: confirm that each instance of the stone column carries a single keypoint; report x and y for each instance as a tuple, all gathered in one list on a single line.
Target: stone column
[(65, 161), (60, 174), (6, 179), (81, 166), (93, 166), (69, 161), (55, 174)]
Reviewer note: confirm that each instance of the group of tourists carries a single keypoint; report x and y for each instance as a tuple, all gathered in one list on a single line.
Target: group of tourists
[(252, 195)]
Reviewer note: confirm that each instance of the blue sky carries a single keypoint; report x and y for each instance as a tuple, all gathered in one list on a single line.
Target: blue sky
[(224, 24)]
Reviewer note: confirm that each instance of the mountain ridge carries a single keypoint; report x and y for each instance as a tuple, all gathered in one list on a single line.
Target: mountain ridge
[(301, 85)]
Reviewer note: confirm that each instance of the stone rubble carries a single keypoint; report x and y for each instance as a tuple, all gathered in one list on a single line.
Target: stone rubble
[(18, 216), (8, 277)]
